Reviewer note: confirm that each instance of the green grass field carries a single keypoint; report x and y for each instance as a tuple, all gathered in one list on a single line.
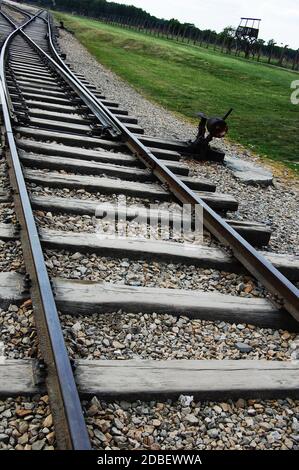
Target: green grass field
[(187, 79)]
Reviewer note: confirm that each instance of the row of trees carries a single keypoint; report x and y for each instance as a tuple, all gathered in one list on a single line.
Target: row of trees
[(138, 19)]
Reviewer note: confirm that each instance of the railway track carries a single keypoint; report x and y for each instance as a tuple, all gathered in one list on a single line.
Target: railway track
[(61, 136), (6, 26)]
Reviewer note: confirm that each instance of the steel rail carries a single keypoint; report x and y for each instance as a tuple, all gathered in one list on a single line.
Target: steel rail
[(117, 130), (19, 10), (3, 59), (70, 427), (9, 20), (255, 263), (80, 89)]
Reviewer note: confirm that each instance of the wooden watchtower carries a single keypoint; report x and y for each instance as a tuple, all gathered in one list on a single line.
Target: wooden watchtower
[(247, 34)]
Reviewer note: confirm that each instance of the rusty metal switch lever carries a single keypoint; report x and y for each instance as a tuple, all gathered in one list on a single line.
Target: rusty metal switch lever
[(209, 129)]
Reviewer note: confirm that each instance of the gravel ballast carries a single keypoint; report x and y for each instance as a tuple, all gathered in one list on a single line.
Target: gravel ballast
[(124, 335), (86, 195), (187, 425), (124, 271), (11, 256), (83, 224), (7, 213), (26, 424), (18, 332), (4, 181)]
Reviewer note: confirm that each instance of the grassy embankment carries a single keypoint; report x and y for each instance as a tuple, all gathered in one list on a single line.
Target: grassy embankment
[(186, 79)]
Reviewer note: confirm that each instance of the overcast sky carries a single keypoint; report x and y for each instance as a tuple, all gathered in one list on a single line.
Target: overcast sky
[(280, 19)]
